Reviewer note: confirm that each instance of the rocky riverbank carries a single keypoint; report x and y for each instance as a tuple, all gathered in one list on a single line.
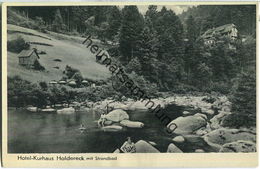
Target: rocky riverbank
[(206, 124)]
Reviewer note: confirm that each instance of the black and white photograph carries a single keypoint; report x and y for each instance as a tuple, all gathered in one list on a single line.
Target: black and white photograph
[(131, 78)]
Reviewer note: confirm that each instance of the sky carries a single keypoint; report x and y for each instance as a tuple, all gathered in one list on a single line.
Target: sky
[(178, 9)]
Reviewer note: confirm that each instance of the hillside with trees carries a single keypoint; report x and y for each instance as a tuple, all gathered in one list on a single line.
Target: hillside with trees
[(163, 48)]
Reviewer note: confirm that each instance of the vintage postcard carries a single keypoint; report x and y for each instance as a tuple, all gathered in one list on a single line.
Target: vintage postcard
[(127, 84)]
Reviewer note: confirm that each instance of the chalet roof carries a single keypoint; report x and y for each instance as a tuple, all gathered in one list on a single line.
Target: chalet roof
[(221, 29), (28, 53)]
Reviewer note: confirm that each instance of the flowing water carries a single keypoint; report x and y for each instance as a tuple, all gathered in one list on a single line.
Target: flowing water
[(55, 133)]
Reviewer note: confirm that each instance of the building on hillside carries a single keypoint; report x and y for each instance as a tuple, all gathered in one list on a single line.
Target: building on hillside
[(27, 58), (229, 30)]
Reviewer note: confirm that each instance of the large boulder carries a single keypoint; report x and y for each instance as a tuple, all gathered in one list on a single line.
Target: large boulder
[(239, 146), (173, 149), (144, 147), (188, 124), (117, 115), (221, 136), (178, 139)]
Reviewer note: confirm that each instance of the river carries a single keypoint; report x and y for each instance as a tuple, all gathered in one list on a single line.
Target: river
[(55, 133)]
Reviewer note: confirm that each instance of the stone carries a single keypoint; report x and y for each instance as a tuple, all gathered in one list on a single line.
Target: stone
[(199, 151), (209, 111), (185, 113), (216, 121), (201, 115), (178, 139), (112, 128), (202, 131), (108, 122), (219, 137), (69, 110), (118, 105), (132, 124), (138, 105), (226, 108), (188, 124), (117, 151), (144, 147), (173, 149), (239, 146), (117, 115)]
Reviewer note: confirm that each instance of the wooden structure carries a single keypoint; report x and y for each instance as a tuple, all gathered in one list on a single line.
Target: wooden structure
[(28, 57)]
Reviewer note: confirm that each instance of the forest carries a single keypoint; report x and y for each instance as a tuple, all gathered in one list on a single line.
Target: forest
[(163, 51)]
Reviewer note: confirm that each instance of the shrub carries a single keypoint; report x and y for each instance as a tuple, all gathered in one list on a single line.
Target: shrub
[(17, 45), (243, 102), (38, 66)]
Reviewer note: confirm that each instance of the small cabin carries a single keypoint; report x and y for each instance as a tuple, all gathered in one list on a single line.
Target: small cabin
[(28, 57)]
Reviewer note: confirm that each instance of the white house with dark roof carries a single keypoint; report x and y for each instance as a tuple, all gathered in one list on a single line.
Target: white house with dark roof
[(228, 30)]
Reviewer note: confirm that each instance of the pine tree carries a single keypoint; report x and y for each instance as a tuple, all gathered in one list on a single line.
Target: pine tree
[(243, 102), (58, 25), (114, 21), (191, 29), (151, 13), (132, 26), (171, 51), (191, 56), (148, 49)]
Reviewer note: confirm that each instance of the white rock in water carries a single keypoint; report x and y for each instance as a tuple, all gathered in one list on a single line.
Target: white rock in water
[(199, 151), (117, 115), (188, 124), (178, 139), (117, 151), (185, 112), (144, 147), (173, 149), (132, 124), (69, 110)]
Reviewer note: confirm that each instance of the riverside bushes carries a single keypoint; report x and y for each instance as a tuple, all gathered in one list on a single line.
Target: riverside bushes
[(243, 102)]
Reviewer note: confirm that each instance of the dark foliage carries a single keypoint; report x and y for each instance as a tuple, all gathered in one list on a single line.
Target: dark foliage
[(38, 66), (17, 45)]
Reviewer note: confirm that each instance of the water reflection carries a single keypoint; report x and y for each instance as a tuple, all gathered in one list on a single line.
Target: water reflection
[(55, 133)]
